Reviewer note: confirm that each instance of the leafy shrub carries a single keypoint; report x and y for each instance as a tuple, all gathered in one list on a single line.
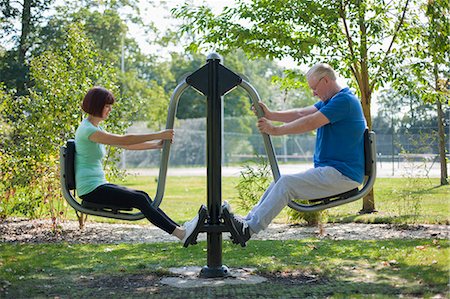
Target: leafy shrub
[(311, 218), (254, 180)]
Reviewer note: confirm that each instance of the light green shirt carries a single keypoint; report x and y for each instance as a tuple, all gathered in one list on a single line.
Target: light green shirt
[(89, 172)]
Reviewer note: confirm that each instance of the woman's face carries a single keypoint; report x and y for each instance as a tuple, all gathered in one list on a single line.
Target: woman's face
[(106, 111)]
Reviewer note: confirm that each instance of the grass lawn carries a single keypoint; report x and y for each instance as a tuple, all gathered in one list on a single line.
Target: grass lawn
[(397, 200), (314, 268)]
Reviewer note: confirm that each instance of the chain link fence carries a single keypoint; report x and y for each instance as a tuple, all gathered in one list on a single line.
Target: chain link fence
[(189, 147)]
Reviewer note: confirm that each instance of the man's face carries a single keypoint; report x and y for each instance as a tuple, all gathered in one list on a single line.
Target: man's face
[(318, 87)]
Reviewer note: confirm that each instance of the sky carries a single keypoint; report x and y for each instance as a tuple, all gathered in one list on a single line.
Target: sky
[(161, 17)]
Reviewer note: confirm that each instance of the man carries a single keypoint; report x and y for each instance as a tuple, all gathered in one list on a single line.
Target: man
[(339, 151)]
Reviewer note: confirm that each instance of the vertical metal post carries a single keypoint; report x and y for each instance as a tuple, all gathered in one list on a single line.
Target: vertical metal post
[(214, 266), (214, 80)]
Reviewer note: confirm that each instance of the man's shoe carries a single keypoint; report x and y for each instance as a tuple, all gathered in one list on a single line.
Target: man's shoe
[(241, 226), (240, 232)]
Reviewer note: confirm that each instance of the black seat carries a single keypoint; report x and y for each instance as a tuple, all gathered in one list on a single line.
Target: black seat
[(102, 207), (337, 196), (69, 175)]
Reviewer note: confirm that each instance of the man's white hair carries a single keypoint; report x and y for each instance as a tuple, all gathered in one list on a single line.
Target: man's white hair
[(320, 70)]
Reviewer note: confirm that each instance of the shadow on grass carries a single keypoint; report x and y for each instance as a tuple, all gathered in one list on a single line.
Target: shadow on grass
[(384, 267)]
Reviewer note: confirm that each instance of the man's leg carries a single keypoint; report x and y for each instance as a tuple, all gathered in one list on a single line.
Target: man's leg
[(261, 200), (313, 183)]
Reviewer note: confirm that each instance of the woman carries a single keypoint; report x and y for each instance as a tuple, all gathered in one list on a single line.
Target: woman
[(90, 178)]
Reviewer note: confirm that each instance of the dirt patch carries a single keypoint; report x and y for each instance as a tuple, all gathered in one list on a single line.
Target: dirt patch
[(295, 278), (14, 230)]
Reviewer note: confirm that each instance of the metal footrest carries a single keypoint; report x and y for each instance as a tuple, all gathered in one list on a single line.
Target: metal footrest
[(235, 235), (202, 215)]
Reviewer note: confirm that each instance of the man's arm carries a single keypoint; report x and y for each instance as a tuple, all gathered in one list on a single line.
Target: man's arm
[(291, 115), (301, 125)]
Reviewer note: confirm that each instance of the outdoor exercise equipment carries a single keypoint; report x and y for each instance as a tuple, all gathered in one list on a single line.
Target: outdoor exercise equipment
[(319, 204), (212, 80)]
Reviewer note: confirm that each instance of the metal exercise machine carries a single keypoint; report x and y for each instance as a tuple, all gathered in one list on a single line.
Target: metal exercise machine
[(213, 80)]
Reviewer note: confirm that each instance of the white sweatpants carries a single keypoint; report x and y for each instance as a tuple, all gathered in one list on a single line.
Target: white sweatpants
[(313, 183)]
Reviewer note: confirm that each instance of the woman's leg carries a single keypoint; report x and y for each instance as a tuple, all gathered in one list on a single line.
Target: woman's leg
[(122, 196), (158, 209)]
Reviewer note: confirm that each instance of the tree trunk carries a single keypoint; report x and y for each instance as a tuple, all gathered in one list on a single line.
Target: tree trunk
[(366, 94), (24, 44), (441, 132), (369, 199)]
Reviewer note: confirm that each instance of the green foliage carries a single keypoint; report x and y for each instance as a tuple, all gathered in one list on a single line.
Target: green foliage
[(33, 133), (349, 34), (311, 218), (426, 72), (254, 180)]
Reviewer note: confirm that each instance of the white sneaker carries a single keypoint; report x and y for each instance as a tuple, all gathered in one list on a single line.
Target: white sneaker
[(226, 205), (189, 227)]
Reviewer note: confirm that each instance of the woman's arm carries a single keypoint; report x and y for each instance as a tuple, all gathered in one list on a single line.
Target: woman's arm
[(129, 139), (144, 146)]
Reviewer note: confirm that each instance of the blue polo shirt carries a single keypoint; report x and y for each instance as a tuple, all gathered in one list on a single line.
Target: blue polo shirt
[(340, 143)]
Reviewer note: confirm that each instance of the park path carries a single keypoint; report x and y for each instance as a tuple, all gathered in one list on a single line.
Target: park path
[(384, 170), (40, 231)]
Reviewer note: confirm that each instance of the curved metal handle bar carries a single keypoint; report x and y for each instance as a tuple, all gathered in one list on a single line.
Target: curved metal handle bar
[(276, 171), (77, 206), (173, 105), (254, 96)]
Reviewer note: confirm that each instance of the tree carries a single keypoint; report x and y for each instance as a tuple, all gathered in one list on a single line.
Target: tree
[(106, 26), (30, 14), (357, 37), (36, 125), (236, 104), (426, 73)]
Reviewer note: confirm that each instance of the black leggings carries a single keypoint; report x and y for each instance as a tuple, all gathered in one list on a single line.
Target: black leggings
[(125, 197)]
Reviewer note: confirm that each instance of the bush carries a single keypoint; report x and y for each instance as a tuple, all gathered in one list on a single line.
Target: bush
[(311, 218), (254, 180)]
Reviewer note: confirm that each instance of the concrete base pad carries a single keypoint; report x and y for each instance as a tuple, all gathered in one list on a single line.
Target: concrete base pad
[(188, 277)]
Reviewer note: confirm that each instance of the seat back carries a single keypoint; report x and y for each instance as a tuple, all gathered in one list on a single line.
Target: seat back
[(69, 163)]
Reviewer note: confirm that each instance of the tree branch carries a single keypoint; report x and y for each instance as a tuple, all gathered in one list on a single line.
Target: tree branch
[(354, 69), (399, 25)]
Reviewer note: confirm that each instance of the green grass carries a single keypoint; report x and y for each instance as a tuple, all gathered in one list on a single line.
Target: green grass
[(341, 269), (397, 200), (388, 268)]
